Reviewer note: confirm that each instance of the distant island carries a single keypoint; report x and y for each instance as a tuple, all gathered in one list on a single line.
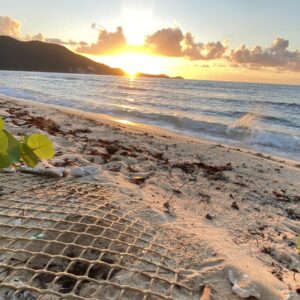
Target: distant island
[(39, 56), (157, 76)]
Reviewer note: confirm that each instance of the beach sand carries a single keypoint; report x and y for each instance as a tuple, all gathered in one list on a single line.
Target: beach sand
[(216, 208)]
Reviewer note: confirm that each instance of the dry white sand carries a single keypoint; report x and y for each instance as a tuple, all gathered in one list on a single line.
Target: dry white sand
[(217, 207)]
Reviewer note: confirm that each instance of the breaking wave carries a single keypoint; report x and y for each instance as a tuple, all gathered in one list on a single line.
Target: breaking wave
[(245, 129), (282, 141)]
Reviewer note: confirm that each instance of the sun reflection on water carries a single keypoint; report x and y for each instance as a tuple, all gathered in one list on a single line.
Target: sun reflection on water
[(126, 122)]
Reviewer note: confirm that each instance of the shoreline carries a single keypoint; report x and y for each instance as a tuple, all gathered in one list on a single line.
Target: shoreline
[(143, 127), (216, 206)]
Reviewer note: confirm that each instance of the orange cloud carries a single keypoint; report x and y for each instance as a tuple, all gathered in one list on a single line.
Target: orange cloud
[(10, 26), (62, 42), (165, 42), (107, 42), (36, 37), (201, 51), (172, 42), (40, 37), (276, 56)]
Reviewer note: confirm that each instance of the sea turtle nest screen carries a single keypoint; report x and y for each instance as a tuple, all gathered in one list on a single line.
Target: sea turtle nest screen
[(67, 240)]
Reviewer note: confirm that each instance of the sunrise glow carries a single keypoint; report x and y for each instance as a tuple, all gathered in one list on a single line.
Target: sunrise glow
[(135, 62), (173, 38), (130, 17)]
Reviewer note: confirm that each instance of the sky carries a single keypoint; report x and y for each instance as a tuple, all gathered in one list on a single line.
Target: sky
[(239, 40)]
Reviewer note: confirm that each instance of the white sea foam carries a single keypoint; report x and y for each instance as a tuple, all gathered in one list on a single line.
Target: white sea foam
[(281, 141)]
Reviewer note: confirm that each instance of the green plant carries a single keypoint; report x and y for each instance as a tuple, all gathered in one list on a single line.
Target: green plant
[(29, 150)]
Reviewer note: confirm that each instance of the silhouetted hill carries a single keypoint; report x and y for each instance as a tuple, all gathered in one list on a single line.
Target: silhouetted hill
[(157, 76), (46, 57)]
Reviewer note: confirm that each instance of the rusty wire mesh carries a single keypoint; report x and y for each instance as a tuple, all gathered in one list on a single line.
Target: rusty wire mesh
[(68, 240)]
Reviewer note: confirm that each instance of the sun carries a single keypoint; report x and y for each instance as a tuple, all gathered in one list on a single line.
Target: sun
[(135, 62), (130, 63)]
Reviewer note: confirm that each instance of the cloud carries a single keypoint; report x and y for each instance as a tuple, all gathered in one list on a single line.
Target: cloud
[(213, 50), (62, 42), (279, 45), (36, 37), (40, 37), (172, 42), (107, 43), (165, 42), (276, 56), (10, 26), (201, 51)]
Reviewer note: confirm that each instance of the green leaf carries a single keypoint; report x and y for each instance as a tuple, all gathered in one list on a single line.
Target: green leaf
[(25, 138), (4, 158), (28, 156), (10, 150), (41, 146), (1, 123), (3, 142), (4, 161), (14, 148)]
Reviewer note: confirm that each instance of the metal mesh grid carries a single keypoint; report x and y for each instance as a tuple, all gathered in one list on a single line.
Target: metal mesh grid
[(67, 240)]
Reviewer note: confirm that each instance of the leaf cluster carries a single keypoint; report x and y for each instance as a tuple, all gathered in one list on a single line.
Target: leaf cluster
[(29, 150)]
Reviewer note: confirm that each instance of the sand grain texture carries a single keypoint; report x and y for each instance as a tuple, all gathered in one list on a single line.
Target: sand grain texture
[(214, 208)]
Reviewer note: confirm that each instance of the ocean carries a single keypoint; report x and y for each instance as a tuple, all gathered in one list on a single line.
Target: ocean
[(260, 117)]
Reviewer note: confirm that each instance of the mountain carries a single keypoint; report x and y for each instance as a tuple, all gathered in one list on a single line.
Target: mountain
[(45, 57)]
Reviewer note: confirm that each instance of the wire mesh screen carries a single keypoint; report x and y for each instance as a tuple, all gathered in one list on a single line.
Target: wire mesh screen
[(68, 240)]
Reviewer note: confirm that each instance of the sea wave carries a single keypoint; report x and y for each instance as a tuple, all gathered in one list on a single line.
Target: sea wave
[(245, 131), (131, 88), (277, 140), (247, 126), (24, 93), (180, 123), (214, 110), (280, 120), (254, 102)]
